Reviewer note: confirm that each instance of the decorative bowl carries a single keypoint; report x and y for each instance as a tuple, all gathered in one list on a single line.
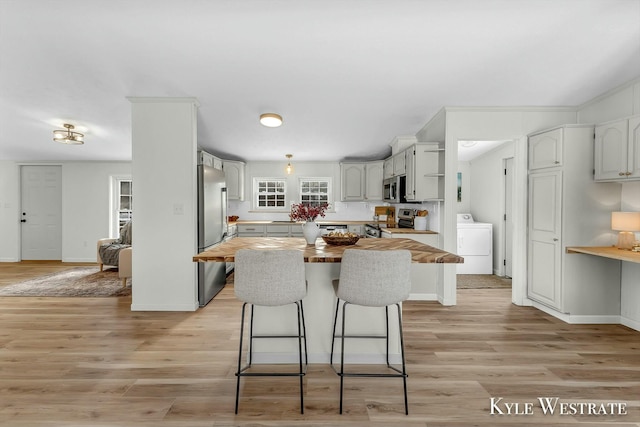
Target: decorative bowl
[(340, 240)]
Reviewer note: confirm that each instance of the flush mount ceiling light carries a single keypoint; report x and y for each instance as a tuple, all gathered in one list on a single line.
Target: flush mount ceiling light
[(289, 168), (271, 120), (68, 136)]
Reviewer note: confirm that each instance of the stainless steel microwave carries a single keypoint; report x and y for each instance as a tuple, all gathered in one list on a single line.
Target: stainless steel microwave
[(390, 190), (393, 189)]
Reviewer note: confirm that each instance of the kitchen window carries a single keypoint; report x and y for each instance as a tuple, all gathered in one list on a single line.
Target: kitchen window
[(315, 191), (270, 194)]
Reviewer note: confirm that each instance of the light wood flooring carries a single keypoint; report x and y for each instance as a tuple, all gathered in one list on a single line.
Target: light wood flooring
[(93, 362)]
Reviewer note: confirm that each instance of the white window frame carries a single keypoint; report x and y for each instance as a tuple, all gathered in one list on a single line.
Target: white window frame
[(329, 192), (115, 211), (256, 195)]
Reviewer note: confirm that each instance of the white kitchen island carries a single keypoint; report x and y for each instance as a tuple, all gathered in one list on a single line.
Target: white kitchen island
[(322, 267)]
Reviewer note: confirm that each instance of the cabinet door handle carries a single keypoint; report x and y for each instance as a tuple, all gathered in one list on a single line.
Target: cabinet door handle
[(628, 173), (557, 162), (555, 239), (622, 173)]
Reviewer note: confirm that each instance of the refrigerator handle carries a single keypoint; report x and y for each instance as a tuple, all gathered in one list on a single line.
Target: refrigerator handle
[(225, 224)]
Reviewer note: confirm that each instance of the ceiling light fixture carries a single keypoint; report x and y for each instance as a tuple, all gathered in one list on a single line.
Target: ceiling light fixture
[(271, 120), (68, 136), (469, 144), (289, 168)]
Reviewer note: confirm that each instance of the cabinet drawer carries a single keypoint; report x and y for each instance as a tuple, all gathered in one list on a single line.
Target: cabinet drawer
[(245, 230), (278, 230)]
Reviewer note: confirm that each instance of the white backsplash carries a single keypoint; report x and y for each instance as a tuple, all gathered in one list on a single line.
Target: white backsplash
[(342, 211)]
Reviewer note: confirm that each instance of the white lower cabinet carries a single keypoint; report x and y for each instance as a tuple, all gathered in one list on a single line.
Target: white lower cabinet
[(424, 277), (567, 208), (251, 230)]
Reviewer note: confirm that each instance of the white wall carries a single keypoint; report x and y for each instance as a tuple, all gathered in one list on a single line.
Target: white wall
[(618, 103), (487, 195), (164, 152), (346, 211), (85, 207), (464, 206), (490, 124), (9, 211)]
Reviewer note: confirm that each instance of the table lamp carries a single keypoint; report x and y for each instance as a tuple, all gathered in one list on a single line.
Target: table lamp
[(626, 223)]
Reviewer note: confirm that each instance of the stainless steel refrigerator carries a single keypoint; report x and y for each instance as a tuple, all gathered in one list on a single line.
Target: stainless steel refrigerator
[(212, 229)]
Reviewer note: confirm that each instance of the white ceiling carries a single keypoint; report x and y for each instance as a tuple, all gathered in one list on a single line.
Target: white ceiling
[(346, 75)]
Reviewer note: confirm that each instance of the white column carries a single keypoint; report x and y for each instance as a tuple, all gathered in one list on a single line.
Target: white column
[(164, 154)]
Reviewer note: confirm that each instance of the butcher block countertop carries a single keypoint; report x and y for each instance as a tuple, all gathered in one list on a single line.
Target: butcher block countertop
[(321, 252)]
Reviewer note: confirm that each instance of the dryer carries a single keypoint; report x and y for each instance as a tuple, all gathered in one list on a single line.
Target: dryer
[(475, 245)]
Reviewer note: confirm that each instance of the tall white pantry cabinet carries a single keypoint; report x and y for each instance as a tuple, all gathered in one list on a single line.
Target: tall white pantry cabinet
[(568, 208)]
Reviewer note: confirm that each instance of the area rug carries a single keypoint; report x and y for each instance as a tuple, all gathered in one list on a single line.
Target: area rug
[(482, 281), (77, 282)]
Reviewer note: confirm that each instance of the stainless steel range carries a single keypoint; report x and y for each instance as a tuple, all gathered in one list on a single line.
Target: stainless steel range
[(372, 230)]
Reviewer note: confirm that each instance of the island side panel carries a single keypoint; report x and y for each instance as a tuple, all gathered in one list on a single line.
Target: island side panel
[(319, 308)]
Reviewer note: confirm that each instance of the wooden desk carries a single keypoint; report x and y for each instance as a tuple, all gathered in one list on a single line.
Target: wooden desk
[(606, 252)]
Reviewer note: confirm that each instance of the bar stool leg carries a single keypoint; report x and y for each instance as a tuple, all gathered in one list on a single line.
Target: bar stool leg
[(299, 306), (344, 309), (404, 370), (333, 336), (240, 356), (304, 334)]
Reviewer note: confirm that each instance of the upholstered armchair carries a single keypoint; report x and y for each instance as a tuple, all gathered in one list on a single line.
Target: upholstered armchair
[(117, 253)]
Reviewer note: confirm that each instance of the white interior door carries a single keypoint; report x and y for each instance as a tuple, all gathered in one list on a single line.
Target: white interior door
[(41, 216), (508, 216)]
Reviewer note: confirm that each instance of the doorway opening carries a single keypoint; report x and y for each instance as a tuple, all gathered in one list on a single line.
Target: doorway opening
[(486, 202)]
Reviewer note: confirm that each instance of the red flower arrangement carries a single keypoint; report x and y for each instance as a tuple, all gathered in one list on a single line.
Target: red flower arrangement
[(302, 212)]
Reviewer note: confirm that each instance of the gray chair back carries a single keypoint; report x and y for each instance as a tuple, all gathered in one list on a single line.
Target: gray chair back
[(269, 277), (375, 278)]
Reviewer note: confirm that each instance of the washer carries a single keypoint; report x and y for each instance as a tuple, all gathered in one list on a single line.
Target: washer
[(475, 245)]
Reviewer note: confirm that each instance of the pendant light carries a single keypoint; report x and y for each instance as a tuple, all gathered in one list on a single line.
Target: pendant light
[(289, 168)]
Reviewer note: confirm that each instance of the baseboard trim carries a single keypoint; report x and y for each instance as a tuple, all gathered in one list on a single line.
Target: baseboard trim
[(630, 323), (423, 297), (163, 307), (9, 260), (576, 319), (85, 260)]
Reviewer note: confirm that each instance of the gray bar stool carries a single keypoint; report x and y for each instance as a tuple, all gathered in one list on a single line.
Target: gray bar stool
[(372, 279), (270, 278)]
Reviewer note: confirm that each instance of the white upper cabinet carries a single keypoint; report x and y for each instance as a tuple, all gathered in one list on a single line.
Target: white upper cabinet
[(373, 173), (617, 150), (425, 172), (208, 159), (399, 164), (234, 176), (388, 168), (352, 177), (361, 181), (545, 150)]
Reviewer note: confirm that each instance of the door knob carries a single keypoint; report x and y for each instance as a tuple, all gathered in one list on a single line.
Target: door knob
[(23, 220)]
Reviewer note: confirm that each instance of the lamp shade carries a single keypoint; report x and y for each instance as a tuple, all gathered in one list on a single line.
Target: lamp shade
[(625, 221)]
